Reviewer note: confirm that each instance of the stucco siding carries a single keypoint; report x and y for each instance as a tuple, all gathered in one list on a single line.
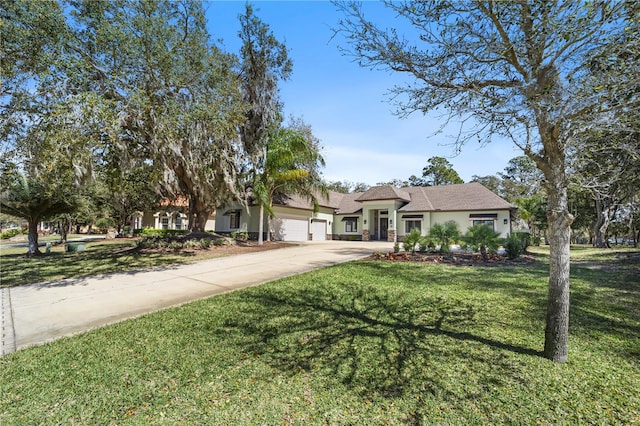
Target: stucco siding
[(464, 222)]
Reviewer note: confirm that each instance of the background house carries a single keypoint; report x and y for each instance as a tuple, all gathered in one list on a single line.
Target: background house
[(382, 213), (170, 214)]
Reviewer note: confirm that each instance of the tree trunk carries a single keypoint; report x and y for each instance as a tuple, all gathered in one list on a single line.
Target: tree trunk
[(191, 214), (33, 238), (603, 217), (63, 231), (261, 225), (559, 233), (483, 252), (200, 215), (269, 221)]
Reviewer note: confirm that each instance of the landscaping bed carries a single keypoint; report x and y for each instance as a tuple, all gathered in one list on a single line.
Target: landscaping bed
[(199, 241), (455, 259)]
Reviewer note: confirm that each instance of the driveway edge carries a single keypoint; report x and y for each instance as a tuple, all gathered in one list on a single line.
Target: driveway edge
[(7, 332)]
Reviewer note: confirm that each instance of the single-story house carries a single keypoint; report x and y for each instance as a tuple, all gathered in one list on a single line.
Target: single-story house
[(381, 213)]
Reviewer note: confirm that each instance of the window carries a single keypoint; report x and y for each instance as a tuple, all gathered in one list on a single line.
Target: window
[(178, 221), (234, 220), (488, 222), (351, 224), (410, 225), (165, 222)]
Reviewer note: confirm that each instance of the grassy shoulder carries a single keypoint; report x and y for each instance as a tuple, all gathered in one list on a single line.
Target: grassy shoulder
[(366, 342)]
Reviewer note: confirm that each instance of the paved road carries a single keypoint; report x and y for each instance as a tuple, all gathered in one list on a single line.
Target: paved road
[(38, 313)]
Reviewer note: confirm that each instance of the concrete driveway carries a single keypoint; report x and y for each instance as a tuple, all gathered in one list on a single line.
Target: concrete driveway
[(38, 313)]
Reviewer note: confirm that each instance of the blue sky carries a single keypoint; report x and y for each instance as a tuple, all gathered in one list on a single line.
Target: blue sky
[(346, 105)]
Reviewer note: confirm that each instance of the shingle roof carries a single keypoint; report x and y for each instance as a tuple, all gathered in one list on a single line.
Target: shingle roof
[(462, 197), (349, 205), (384, 193), (296, 201)]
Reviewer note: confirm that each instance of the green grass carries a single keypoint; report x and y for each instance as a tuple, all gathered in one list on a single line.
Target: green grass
[(100, 257), (360, 343)]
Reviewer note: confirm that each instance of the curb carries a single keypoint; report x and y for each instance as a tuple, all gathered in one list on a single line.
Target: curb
[(7, 332)]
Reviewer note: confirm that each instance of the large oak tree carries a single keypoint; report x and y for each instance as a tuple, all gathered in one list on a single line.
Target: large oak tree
[(511, 69)]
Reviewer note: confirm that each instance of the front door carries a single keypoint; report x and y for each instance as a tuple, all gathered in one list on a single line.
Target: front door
[(384, 225)]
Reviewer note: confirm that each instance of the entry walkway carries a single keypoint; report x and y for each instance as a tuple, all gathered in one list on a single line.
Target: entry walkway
[(38, 313)]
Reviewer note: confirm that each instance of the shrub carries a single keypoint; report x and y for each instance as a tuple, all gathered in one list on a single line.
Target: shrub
[(174, 245), (104, 223), (443, 234), (10, 233), (514, 246), (205, 243), (483, 238), (535, 240), (240, 235), (411, 240), (525, 239), (396, 247), (162, 233), (218, 242), (192, 244)]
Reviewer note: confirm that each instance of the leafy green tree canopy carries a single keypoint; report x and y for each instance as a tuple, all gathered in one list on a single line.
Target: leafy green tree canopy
[(439, 171)]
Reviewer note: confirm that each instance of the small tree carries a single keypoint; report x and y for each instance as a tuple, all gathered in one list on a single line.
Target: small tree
[(483, 238), (32, 200), (443, 234)]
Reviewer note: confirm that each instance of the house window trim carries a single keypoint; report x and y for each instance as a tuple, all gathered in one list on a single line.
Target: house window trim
[(350, 222), (234, 219), (408, 230), (165, 221), (488, 219), (484, 221)]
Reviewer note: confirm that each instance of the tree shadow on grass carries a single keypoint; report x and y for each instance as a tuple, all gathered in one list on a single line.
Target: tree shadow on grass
[(62, 269), (375, 343)]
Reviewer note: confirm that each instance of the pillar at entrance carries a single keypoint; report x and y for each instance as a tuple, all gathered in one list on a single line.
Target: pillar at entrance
[(365, 235), (391, 235)]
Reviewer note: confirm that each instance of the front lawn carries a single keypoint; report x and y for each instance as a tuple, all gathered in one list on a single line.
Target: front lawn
[(362, 343), (100, 257), (104, 257)]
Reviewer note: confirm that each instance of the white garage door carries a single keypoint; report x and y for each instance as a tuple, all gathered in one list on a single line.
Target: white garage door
[(318, 230), (287, 229)]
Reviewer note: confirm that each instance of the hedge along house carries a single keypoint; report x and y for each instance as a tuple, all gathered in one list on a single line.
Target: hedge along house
[(382, 213)]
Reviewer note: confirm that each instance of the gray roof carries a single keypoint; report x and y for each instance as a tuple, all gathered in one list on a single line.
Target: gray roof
[(463, 197), (299, 202), (349, 205), (384, 193)]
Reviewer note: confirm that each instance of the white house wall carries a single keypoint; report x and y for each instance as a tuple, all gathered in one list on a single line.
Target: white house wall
[(464, 222), (249, 221)]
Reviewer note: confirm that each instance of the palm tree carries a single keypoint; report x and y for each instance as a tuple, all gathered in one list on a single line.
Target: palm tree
[(291, 167), (34, 201), (444, 233), (483, 237)]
